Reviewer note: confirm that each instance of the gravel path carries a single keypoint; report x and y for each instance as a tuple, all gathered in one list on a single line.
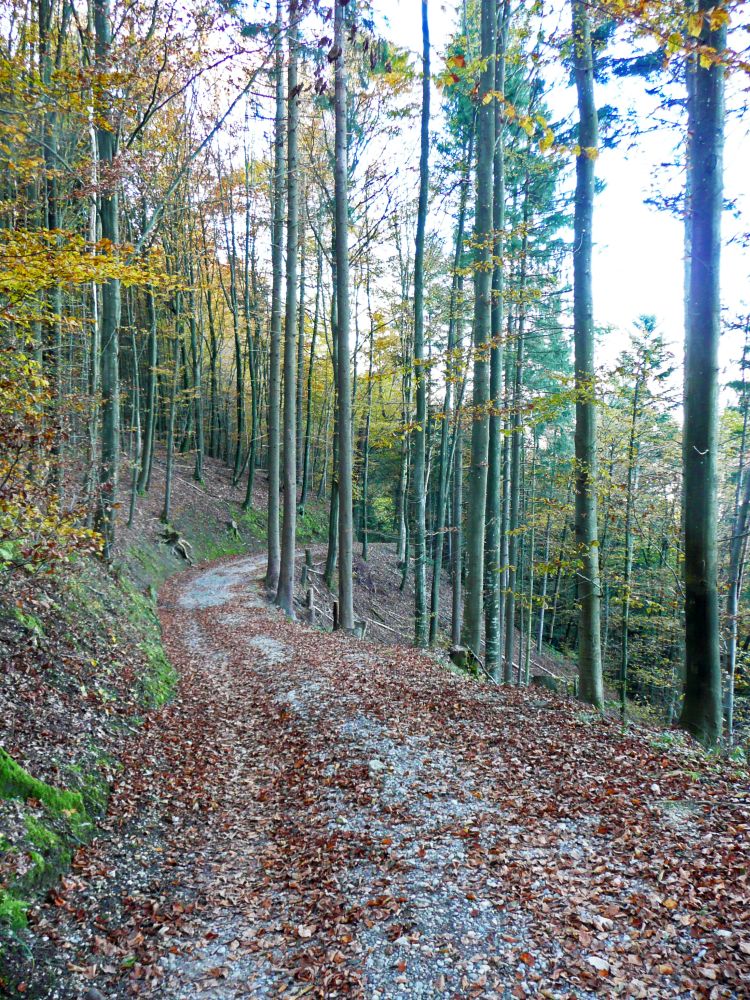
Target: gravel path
[(399, 849), (384, 828), (315, 816)]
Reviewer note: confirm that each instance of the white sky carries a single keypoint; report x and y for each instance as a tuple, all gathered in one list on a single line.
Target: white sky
[(638, 265)]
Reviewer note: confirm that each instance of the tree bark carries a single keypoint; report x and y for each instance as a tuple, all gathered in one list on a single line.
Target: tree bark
[(421, 373), (701, 710), (493, 611), (451, 373), (473, 604), (344, 414), (106, 137), (589, 594), (274, 368), (285, 592)]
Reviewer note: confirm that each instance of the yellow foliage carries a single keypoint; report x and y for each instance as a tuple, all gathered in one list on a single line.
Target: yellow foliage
[(36, 534)]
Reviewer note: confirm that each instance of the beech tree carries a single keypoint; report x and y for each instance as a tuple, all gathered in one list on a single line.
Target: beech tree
[(586, 528), (484, 242), (701, 710)]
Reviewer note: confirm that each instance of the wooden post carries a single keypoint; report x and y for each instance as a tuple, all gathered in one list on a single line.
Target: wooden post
[(310, 604)]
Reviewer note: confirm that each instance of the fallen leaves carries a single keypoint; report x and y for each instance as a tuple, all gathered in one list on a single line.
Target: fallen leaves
[(306, 840)]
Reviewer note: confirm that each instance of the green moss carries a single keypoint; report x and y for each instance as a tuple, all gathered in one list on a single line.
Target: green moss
[(255, 522), (311, 527), (40, 836), (159, 683), (12, 910), (30, 622), (17, 783)]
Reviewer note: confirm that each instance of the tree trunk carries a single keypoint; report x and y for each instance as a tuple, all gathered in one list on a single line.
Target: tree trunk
[(308, 414), (135, 458), (458, 533), (421, 373), (144, 476), (516, 452), (285, 592), (473, 605), (332, 555), (110, 313), (167, 508), (589, 595), (368, 419), (493, 616), (452, 370), (701, 709), (251, 336), (344, 414), (301, 348), (197, 367), (632, 474), (274, 372)]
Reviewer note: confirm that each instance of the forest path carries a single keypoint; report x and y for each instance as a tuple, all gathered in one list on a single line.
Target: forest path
[(316, 816), (375, 825)]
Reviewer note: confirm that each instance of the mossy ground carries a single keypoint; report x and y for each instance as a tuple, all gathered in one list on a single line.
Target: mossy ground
[(54, 821)]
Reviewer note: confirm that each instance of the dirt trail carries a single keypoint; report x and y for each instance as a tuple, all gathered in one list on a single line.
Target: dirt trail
[(385, 828), (331, 818)]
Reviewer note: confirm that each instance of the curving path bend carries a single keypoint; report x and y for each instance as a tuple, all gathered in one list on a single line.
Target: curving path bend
[(375, 825)]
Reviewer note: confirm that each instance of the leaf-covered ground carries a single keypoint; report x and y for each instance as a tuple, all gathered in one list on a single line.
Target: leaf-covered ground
[(320, 817)]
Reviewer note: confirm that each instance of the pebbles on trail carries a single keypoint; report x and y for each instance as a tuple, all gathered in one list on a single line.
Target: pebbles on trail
[(218, 585), (370, 832)]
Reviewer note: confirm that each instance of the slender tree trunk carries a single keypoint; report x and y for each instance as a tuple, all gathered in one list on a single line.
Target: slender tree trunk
[(558, 580), (368, 418), (274, 372), (452, 369), (532, 542), (214, 431), (543, 589), (308, 414), (493, 616), (701, 709), (632, 475), (285, 593), (458, 532), (301, 350), (234, 305), (167, 509), (421, 373), (589, 591), (516, 453), (473, 605), (737, 557), (196, 361), (137, 442), (737, 548), (346, 608), (332, 555), (251, 336), (144, 476), (110, 313)]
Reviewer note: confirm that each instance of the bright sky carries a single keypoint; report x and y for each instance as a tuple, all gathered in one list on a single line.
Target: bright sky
[(638, 266)]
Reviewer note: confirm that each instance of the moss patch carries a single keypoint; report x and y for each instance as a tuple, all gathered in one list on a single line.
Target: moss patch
[(17, 783), (159, 683), (12, 911)]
